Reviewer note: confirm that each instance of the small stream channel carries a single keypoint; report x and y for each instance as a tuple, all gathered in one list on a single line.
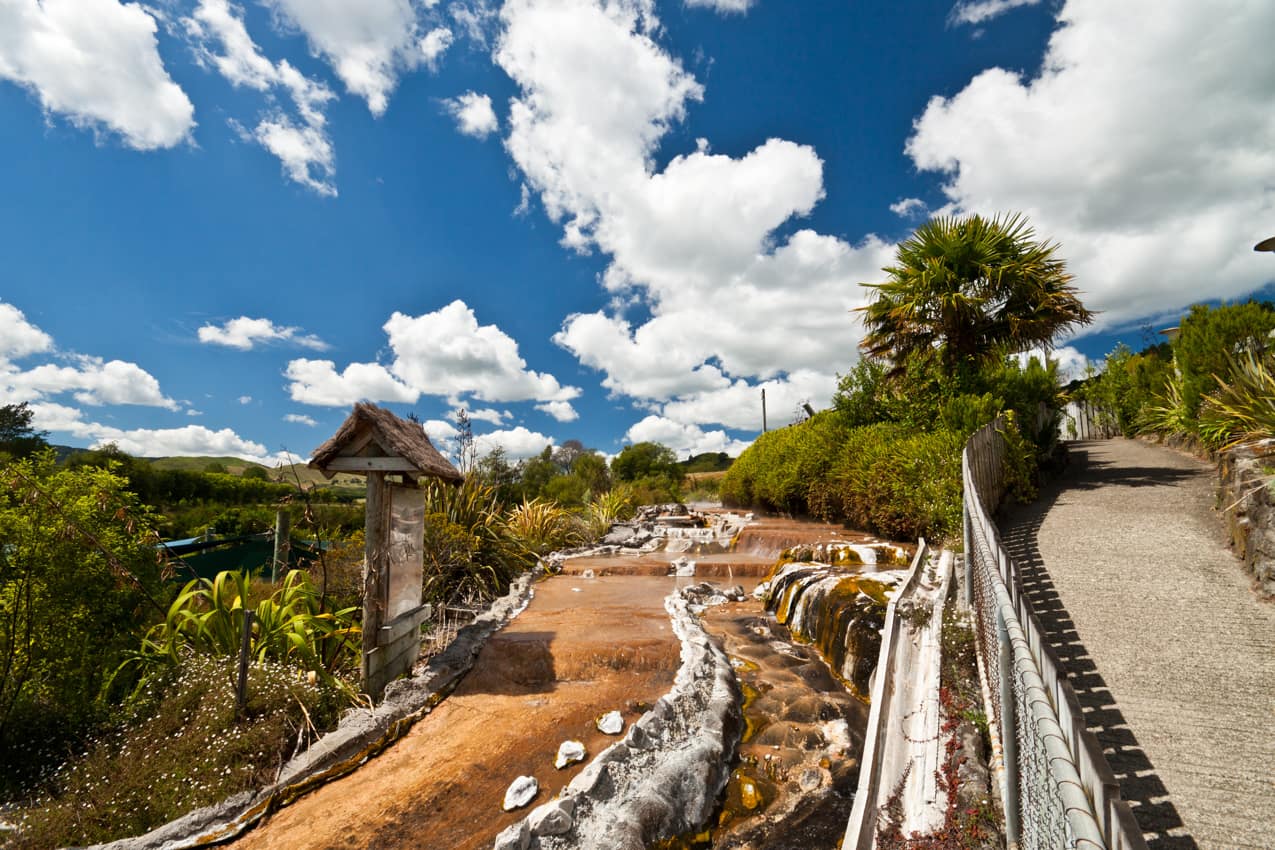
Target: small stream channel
[(803, 651)]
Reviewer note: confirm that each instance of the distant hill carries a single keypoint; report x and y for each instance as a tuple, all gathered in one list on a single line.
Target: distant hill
[(707, 462), (297, 472), (64, 452)]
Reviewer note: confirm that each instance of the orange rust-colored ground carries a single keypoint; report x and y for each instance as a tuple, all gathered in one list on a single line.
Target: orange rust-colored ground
[(570, 657)]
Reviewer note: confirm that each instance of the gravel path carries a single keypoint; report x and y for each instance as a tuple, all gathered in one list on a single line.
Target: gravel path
[(1172, 656)]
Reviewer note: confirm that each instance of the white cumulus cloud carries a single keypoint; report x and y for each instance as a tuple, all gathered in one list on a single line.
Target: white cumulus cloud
[(474, 114), (244, 333), (302, 144), (318, 382), (18, 337), (89, 380), (488, 414), (189, 440), (728, 303), (682, 438), (435, 44), (369, 44), (443, 353), (1143, 146), (97, 63), (909, 208), (559, 410), (516, 442), (448, 353), (300, 419)]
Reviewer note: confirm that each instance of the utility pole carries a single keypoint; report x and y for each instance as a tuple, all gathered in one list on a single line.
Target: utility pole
[(763, 410)]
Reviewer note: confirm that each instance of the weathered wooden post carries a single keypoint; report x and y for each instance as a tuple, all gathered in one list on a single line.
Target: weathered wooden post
[(282, 544), (376, 443)]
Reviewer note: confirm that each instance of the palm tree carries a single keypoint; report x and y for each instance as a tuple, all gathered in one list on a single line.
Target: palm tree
[(968, 290)]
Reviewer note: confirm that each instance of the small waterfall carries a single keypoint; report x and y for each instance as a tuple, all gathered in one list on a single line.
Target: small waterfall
[(840, 612)]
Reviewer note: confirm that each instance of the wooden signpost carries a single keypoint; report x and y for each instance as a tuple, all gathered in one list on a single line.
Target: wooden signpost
[(374, 442)]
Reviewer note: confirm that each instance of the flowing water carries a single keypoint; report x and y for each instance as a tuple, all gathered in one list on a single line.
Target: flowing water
[(797, 768), (597, 638)]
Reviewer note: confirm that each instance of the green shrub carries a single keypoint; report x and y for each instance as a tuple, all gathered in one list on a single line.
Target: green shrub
[(847, 494), (1130, 384), (615, 505), (1210, 338), (469, 555), (80, 581), (885, 478)]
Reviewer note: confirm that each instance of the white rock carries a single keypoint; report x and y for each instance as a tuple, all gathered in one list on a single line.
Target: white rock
[(569, 753), (611, 723), (683, 567), (515, 837), (587, 574), (523, 790), (553, 818)]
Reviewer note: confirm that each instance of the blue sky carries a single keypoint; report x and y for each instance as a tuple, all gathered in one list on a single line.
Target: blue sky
[(609, 220)]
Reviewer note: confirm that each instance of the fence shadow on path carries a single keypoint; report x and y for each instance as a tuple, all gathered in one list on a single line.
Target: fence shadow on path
[(1140, 785)]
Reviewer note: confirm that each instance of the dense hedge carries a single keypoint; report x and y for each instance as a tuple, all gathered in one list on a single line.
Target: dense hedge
[(885, 477)]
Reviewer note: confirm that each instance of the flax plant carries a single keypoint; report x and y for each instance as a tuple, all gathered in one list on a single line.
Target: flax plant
[(1241, 409), (207, 617), (541, 526)]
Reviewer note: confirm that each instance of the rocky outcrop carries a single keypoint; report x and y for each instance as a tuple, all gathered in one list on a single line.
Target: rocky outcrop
[(1247, 503)]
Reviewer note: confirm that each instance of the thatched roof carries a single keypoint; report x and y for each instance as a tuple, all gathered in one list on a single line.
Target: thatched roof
[(370, 431)]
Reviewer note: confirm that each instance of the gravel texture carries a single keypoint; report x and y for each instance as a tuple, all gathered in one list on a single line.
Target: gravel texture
[(1169, 650)]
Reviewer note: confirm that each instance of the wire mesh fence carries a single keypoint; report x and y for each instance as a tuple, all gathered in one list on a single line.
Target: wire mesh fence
[(1057, 788)]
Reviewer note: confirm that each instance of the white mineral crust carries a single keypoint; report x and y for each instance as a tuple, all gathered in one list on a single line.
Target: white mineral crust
[(521, 792), (569, 753), (611, 723)]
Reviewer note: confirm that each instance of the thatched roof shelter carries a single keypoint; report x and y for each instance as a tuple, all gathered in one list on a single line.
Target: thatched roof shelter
[(372, 439)]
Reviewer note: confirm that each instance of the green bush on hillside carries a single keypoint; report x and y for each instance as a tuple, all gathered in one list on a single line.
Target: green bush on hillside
[(885, 477)]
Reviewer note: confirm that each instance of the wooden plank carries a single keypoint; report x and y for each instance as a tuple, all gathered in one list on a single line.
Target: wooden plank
[(371, 464), (404, 623), (376, 554)]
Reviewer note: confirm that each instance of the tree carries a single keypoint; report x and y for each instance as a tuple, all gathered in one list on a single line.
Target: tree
[(565, 454), (79, 581), (257, 473), (591, 469), (969, 290), (644, 460), (535, 473), (17, 437)]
